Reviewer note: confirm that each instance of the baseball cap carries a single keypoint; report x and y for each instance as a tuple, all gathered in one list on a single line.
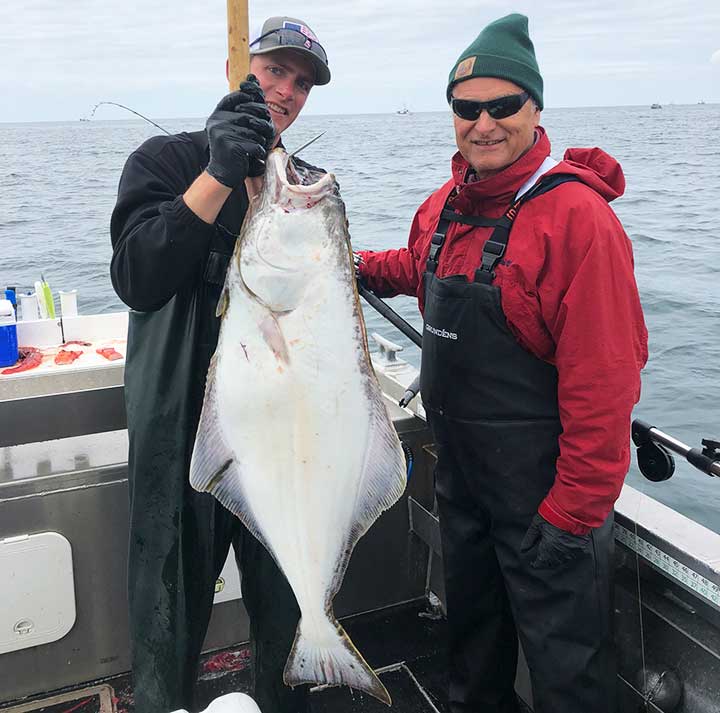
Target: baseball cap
[(291, 33)]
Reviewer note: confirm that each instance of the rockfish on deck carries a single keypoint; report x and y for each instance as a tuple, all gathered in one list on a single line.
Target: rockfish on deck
[(294, 437)]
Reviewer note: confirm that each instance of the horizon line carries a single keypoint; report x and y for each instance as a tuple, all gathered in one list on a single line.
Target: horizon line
[(365, 113)]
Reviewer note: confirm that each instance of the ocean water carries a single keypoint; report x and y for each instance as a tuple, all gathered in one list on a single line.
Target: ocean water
[(58, 184)]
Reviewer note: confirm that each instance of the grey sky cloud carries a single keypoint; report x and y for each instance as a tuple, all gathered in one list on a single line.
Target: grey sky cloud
[(165, 59)]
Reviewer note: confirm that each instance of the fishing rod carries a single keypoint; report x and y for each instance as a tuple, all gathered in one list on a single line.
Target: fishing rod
[(655, 460), (390, 314), (127, 108), (407, 329), (238, 64)]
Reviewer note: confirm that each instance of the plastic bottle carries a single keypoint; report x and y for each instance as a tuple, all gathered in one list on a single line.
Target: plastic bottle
[(8, 334), (10, 294)]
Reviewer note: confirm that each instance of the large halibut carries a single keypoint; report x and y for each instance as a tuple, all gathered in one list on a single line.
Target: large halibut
[(294, 437)]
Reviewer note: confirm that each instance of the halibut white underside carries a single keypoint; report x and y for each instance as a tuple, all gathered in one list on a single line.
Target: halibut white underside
[(294, 437)]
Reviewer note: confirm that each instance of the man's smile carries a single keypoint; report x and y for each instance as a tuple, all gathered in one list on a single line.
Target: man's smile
[(277, 108), (487, 142)]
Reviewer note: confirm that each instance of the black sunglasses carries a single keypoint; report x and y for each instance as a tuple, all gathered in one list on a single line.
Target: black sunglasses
[(287, 37), (499, 108)]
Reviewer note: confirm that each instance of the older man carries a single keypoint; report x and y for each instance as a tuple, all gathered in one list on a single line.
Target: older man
[(181, 202), (533, 344)]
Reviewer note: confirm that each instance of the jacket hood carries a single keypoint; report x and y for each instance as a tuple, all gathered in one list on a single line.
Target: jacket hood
[(595, 168), (592, 166)]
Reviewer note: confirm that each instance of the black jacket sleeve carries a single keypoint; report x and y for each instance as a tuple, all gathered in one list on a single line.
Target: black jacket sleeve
[(158, 242)]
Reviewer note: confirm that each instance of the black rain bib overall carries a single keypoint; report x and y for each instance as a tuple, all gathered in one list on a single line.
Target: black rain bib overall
[(493, 410), (179, 538)]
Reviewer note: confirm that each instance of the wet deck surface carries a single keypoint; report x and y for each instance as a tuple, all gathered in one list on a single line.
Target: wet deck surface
[(406, 644)]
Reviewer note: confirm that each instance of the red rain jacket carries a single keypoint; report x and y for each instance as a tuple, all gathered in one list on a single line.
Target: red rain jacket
[(569, 295)]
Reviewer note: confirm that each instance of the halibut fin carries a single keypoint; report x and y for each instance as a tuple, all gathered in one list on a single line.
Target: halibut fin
[(214, 467), (330, 658), (274, 338), (378, 490)]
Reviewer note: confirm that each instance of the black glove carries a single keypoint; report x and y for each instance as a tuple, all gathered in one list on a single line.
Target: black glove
[(239, 134), (555, 547), (357, 261)]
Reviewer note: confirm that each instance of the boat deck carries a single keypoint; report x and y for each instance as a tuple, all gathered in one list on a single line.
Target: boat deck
[(404, 643)]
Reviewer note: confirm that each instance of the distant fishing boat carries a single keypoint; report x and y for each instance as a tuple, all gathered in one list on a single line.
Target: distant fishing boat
[(655, 106), (404, 110)]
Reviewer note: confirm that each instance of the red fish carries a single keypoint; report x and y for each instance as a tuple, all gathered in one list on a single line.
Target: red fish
[(109, 353), (28, 358), (66, 356)]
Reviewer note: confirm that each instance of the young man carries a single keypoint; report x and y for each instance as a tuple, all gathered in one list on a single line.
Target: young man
[(533, 344), (181, 202)]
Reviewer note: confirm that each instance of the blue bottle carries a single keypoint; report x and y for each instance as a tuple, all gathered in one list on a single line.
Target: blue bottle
[(8, 334), (11, 294)]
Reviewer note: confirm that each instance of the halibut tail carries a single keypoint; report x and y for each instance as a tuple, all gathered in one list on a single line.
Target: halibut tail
[(330, 658)]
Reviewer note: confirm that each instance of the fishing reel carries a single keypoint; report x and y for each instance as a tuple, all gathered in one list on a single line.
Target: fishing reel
[(656, 462), (711, 449)]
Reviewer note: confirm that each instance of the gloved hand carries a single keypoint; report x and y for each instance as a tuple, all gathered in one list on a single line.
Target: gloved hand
[(357, 261), (239, 134), (555, 547)]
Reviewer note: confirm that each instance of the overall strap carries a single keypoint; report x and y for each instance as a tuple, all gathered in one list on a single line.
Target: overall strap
[(437, 240), (543, 168), (496, 245), (448, 216)]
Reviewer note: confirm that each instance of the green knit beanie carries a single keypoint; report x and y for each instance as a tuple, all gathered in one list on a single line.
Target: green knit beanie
[(503, 50)]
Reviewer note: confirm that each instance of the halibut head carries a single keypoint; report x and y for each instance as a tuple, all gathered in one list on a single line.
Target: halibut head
[(294, 436)]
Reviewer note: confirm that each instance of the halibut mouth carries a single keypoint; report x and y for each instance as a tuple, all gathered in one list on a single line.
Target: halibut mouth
[(295, 186)]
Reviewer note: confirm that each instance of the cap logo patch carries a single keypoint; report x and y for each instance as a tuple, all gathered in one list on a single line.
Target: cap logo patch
[(302, 29), (465, 68)]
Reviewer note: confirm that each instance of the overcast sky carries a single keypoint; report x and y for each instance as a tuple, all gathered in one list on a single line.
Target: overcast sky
[(167, 59)]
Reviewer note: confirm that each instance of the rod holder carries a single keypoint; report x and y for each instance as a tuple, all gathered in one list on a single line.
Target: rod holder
[(655, 461)]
